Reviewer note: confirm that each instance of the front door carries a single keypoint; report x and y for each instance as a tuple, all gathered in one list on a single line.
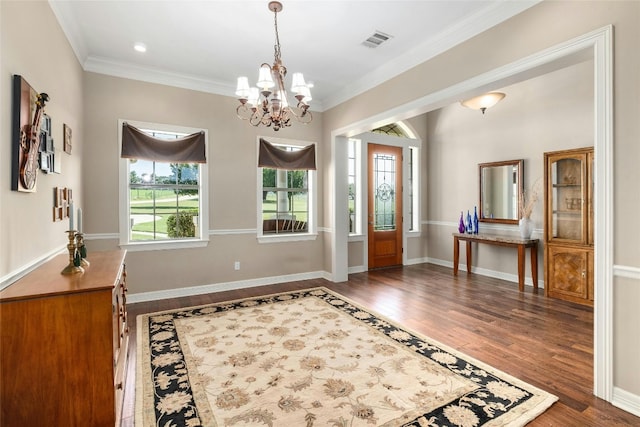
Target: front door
[(385, 206)]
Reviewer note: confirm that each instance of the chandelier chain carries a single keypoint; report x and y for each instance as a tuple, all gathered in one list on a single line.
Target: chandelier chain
[(277, 53)]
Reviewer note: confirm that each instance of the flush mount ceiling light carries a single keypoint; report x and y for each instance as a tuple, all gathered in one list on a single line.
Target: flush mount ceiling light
[(482, 102), (268, 105), (140, 47)]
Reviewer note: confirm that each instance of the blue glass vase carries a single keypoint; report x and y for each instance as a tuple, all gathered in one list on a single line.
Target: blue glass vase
[(475, 220), (469, 223)]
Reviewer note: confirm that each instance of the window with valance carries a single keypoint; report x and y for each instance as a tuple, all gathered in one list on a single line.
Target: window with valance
[(288, 188), (163, 169)]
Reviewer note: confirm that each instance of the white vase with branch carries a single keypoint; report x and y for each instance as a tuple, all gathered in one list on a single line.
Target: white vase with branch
[(526, 201)]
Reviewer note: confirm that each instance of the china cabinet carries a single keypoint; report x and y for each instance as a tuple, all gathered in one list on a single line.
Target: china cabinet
[(568, 225)]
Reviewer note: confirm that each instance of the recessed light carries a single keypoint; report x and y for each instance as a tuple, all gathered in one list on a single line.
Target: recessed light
[(140, 47)]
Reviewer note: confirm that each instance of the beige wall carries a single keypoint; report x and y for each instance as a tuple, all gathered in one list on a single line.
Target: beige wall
[(548, 113), (626, 334), (232, 186), (34, 47)]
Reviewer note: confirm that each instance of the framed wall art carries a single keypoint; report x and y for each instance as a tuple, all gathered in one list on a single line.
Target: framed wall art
[(62, 198), (47, 146), (67, 138), (27, 110), (57, 161)]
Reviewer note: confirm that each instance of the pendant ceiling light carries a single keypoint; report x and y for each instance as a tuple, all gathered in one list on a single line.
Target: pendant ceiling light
[(482, 102), (267, 104)]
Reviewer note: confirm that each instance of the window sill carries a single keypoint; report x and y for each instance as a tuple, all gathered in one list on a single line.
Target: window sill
[(164, 245), (279, 238)]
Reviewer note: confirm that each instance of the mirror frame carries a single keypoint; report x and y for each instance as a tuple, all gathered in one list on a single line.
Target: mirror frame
[(519, 164)]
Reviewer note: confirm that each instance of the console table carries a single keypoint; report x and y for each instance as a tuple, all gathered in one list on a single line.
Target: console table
[(489, 239)]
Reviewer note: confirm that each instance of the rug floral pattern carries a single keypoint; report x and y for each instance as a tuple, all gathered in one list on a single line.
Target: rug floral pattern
[(313, 358)]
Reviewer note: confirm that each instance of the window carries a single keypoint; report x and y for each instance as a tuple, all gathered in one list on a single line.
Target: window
[(414, 179), (163, 204), (286, 201), (355, 181), (353, 172)]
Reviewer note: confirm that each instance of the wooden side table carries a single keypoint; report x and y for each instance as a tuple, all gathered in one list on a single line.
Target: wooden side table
[(490, 239)]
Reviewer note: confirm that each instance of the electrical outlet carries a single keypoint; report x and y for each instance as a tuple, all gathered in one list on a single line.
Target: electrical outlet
[(236, 265)]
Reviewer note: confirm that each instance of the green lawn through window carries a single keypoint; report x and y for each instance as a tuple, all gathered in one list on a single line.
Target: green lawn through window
[(166, 205)]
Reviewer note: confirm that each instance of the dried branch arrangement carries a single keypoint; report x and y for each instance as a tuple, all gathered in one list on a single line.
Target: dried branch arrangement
[(527, 199)]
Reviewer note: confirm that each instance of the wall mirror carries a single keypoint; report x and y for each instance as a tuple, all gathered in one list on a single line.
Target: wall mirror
[(501, 184)]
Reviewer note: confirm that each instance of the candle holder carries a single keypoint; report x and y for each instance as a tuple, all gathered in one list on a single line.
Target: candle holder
[(74, 262), (84, 262)]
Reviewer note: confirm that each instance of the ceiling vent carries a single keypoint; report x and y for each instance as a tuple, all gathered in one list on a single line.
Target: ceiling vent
[(376, 39)]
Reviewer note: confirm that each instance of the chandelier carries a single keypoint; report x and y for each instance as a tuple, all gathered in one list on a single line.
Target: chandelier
[(267, 104)]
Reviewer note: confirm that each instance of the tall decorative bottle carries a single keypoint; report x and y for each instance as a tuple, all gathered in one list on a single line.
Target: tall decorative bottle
[(461, 227), (475, 220), (469, 223)]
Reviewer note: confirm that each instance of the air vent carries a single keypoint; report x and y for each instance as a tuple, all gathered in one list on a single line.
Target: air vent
[(376, 39)]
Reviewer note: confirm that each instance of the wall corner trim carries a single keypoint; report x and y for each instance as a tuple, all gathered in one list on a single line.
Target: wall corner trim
[(17, 274)]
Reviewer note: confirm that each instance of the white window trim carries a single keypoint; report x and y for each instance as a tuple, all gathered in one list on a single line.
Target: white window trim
[(360, 166), (414, 152), (124, 206), (312, 234)]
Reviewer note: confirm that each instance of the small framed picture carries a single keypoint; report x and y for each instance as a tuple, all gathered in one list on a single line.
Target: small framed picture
[(57, 161), (67, 138)]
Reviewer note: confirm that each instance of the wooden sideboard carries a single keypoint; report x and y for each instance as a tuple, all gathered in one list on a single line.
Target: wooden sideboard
[(63, 345)]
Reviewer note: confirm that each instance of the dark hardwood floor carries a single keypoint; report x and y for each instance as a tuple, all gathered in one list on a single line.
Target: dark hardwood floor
[(545, 342)]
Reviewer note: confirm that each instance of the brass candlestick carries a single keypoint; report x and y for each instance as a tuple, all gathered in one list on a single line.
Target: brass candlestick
[(72, 268), (84, 262)]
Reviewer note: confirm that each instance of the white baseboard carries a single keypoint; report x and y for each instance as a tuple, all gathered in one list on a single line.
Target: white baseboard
[(361, 268), (482, 271), (486, 272), (357, 269), (626, 401), (219, 287)]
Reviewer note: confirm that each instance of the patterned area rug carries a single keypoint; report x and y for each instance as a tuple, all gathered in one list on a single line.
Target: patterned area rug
[(313, 358)]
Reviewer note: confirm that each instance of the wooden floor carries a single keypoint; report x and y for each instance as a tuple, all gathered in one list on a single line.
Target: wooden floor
[(543, 341)]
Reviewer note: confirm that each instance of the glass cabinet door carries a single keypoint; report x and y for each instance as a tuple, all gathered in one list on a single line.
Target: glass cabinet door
[(568, 191)]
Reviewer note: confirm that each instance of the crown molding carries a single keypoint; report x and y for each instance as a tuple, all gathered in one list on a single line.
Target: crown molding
[(473, 25), (71, 30), (110, 67), (125, 70), (488, 17)]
